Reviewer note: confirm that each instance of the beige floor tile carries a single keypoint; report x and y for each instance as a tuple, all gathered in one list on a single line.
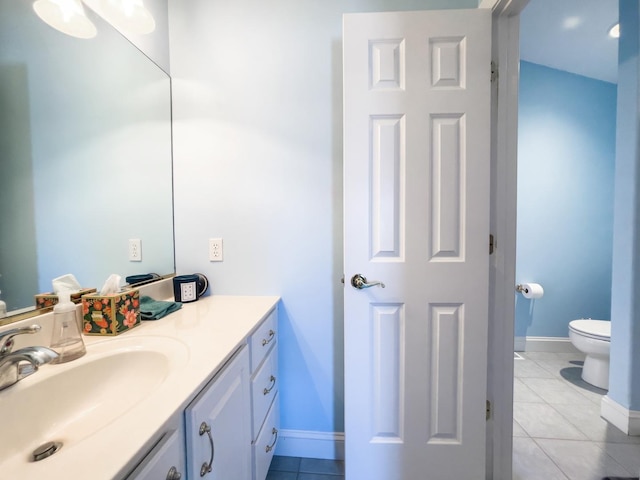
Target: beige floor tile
[(522, 393), (518, 431), (626, 455), (560, 413), (529, 368), (587, 419), (581, 460), (531, 463), (555, 391), (540, 420)]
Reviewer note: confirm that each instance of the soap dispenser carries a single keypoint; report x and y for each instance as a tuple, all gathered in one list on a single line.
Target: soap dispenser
[(66, 339)]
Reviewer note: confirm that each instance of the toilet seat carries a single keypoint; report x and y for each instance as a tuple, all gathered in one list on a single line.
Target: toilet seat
[(596, 329)]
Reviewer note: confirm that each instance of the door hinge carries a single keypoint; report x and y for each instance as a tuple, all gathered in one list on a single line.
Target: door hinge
[(492, 243), (488, 409), (494, 71)]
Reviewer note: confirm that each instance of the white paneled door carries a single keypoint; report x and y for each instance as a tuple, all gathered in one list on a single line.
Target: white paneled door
[(416, 163)]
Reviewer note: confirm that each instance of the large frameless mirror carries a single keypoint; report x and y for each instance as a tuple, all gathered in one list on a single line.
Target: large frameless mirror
[(85, 166)]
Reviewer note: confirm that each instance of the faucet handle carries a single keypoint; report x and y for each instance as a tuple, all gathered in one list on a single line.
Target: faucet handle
[(6, 338)]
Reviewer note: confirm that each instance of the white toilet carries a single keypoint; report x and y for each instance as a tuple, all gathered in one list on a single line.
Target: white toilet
[(593, 338)]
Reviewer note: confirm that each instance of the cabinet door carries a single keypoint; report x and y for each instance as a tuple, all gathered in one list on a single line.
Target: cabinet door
[(217, 423), (165, 461)]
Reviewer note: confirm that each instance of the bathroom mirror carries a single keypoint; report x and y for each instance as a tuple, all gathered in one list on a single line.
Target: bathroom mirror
[(85, 157)]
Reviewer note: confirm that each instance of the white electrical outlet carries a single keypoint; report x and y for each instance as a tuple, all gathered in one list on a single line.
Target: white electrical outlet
[(188, 292), (135, 250), (215, 249)]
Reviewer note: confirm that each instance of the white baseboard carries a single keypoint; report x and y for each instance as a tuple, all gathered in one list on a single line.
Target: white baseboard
[(622, 418), (309, 444), (549, 344)]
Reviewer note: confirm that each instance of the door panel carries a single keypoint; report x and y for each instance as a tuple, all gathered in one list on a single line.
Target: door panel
[(416, 163)]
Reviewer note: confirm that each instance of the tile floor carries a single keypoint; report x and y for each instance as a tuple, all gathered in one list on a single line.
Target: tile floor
[(557, 430), (295, 468)]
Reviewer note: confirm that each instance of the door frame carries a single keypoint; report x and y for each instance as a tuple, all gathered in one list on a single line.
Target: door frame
[(505, 55)]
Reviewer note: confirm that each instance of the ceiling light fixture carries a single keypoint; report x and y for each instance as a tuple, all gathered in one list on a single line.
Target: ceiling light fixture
[(128, 16), (66, 16), (614, 32)]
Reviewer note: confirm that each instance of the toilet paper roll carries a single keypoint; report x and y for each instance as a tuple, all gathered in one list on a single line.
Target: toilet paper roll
[(532, 290)]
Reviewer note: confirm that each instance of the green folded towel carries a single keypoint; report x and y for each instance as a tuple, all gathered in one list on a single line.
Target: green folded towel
[(151, 309)]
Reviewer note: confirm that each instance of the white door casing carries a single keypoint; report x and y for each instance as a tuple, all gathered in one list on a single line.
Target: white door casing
[(504, 123), (416, 185)]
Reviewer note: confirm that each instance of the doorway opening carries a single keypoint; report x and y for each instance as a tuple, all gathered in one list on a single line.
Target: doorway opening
[(566, 156)]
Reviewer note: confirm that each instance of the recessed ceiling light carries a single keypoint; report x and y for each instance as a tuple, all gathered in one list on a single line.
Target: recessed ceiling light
[(614, 32), (571, 23)]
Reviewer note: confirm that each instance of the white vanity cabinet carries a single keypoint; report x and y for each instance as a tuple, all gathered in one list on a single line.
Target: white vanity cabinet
[(217, 425), (228, 429), (232, 425), (264, 395)]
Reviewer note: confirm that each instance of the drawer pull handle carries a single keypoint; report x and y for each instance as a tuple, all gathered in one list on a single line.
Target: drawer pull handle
[(207, 467), (267, 391), (270, 447), (174, 474), (271, 337)]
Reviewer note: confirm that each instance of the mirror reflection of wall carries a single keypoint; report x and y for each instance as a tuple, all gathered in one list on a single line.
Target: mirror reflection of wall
[(85, 157)]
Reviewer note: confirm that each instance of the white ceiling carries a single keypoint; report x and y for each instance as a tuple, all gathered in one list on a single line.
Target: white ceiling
[(571, 35)]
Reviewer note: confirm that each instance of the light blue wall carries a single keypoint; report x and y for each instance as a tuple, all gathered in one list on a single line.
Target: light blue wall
[(624, 382), (566, 156), (258, 161)]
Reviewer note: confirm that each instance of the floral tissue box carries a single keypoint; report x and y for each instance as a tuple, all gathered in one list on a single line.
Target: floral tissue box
[(110, 314)]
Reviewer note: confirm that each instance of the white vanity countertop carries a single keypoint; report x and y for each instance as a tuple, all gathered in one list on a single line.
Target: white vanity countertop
[(211, 329)]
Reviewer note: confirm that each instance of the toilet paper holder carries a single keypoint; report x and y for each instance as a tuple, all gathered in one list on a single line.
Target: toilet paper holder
[(530, 290)]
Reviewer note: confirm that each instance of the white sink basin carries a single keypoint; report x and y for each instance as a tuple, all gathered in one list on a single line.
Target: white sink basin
[(70, 402)]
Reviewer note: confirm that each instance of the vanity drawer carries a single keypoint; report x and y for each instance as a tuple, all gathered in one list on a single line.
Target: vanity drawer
[(265, 446), (264, 388), (263, 339)]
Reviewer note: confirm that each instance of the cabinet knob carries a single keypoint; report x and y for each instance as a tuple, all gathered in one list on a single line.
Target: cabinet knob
[(174, 474)]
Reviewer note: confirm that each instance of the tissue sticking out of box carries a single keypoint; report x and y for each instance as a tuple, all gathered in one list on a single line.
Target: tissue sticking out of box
[(65, 282), (111, 285)]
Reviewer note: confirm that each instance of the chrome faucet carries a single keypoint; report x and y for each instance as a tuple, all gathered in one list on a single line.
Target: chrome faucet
[(14, 366)]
